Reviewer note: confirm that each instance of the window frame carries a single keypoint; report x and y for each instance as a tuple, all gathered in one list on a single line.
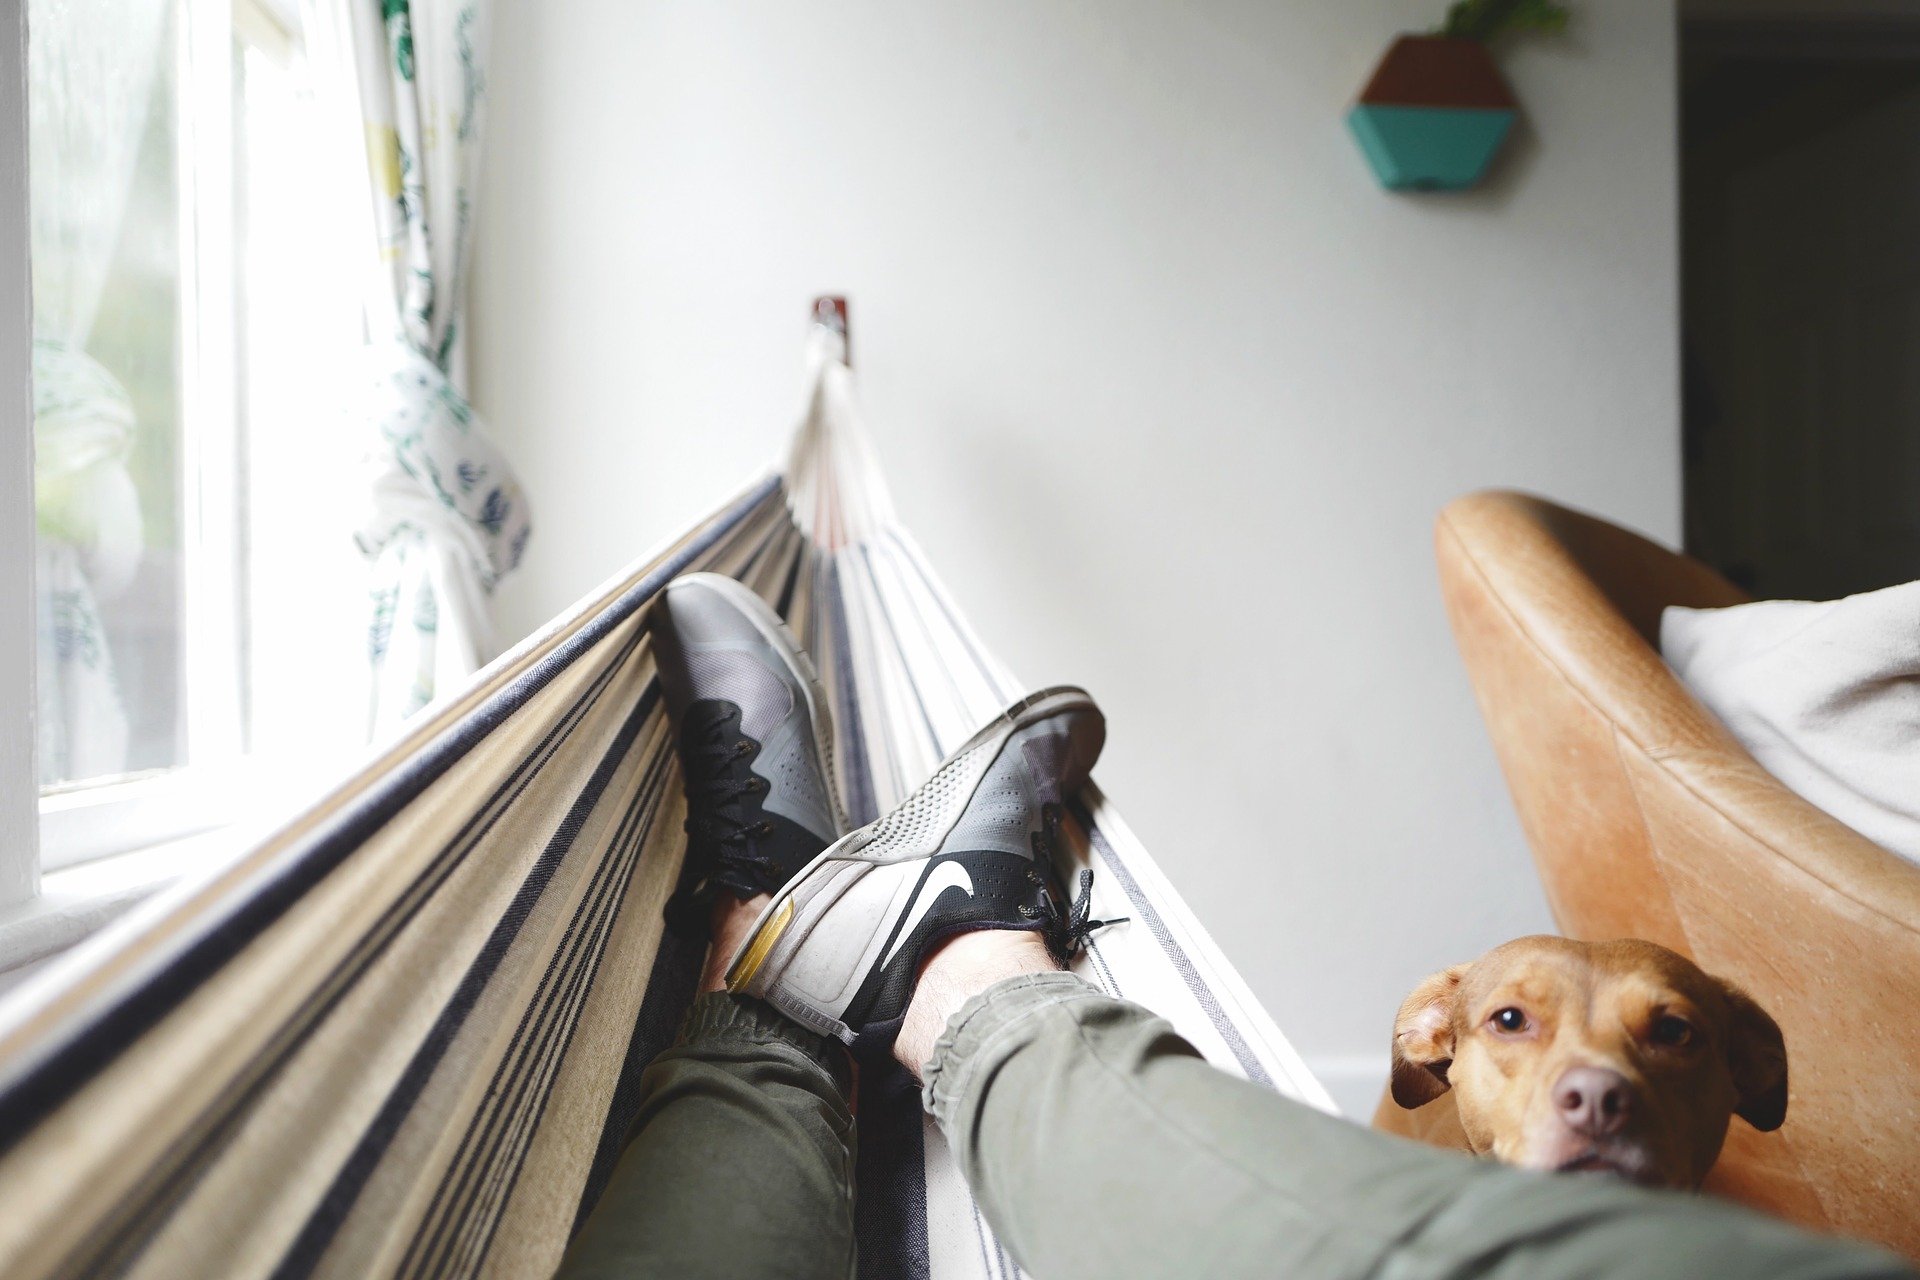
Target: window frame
[(19, 776), (67, 826)]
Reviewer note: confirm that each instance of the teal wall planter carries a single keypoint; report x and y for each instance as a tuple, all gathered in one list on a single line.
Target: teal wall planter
[(1434, 114)]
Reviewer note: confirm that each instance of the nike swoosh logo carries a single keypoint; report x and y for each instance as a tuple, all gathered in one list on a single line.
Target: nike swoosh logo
[(944, 876)]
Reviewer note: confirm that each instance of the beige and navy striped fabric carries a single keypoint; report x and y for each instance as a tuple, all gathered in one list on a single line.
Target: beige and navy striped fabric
[(402, 1037)]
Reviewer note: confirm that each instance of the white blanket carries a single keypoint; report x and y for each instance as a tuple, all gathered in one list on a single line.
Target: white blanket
[(1826, 695)]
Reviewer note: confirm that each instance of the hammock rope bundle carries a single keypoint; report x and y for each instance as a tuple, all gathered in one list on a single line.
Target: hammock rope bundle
[(403, 1035)]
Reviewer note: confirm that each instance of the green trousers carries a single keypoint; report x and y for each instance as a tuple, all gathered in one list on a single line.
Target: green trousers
[(1099, 1144)]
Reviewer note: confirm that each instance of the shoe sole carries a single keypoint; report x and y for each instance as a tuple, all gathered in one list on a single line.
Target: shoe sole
[(777, 633), (922, 821)]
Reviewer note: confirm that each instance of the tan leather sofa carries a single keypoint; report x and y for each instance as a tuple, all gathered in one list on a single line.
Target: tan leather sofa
[(1648, 820)]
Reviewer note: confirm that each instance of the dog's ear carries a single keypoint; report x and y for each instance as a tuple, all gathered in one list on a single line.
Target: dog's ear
[(1423, 1039), (1757, 1056)]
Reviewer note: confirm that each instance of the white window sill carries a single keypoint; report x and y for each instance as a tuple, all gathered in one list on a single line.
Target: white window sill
[(76, 902), (105, 849), (80, 826)]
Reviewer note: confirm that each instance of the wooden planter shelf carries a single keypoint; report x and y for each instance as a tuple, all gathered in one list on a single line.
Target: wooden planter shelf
[(1434, 115)]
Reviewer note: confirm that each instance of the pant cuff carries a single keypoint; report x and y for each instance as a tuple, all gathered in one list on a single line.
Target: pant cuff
[(720, 1020), (982, 1025)]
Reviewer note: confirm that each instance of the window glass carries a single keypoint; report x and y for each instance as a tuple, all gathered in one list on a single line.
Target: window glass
[(301, 327), (105, 222)]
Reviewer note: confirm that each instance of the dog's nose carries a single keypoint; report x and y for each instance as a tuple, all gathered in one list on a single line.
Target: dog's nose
[(1593, 1100)]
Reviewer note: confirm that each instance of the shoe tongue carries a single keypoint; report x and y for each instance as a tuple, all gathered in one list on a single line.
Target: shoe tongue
[(738, 677), (1046, 757)]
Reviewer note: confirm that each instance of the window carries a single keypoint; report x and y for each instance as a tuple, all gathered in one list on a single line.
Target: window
[(107, 302), (199, 598)]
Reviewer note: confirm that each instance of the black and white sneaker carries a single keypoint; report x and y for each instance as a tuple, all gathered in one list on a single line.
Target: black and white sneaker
[(839, 949), (755, 739)]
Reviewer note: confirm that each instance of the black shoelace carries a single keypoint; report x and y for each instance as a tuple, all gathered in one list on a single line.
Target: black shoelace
[(1066, 932), (719, 826)]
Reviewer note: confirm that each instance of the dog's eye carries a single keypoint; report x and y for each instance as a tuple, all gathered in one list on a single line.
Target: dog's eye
[(1509, 1020), (1672, 1031)]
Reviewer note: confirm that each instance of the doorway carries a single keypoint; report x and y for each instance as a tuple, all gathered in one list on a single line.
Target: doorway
[(1800, 298)]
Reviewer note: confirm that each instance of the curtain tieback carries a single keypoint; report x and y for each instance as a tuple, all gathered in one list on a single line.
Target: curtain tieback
[(436, 473), (83, 428)]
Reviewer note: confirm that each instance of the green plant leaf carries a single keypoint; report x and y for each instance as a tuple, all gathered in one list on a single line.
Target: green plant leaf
[(1485, 19)]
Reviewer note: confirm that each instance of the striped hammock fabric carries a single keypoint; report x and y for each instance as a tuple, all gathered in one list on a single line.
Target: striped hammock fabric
[(402, 1036)]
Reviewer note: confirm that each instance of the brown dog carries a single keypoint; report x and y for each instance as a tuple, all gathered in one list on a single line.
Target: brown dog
[(1614, 1056)]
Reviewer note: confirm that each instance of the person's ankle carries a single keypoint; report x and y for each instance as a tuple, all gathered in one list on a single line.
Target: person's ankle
[(956, 971), (732, 920)]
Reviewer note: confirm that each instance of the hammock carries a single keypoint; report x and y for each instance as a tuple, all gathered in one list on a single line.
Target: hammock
[(403, 1035)]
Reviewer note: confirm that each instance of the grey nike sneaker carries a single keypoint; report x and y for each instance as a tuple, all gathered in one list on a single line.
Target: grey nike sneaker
[(755, 738), (839, 949)]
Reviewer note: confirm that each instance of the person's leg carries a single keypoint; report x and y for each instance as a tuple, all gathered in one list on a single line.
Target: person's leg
[(741, 1163), (741, 1160), (1099, 1143)]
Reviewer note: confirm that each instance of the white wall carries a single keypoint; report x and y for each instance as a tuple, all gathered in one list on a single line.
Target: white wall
[(1168, 387)]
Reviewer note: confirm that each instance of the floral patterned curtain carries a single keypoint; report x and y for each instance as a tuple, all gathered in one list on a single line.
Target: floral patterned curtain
[(446, 518)]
